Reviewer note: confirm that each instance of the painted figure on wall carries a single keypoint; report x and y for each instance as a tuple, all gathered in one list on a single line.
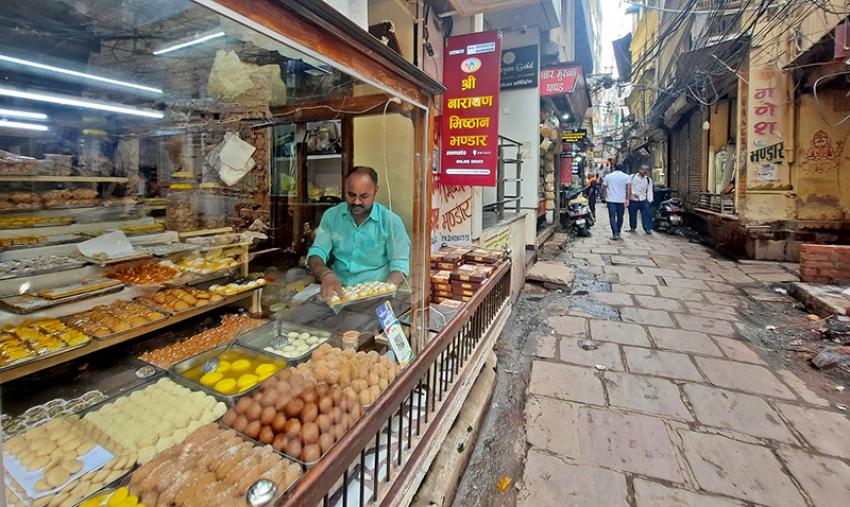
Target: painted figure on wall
[(822, 155)]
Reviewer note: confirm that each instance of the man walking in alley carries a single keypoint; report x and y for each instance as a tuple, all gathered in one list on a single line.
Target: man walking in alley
[(617, 190), (640, 200)]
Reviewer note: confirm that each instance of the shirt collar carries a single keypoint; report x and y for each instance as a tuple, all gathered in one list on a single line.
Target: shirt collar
[(375, 214)]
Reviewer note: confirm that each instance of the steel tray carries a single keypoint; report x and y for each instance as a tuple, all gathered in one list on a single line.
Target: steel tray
[(262, 337), (70, 319), (176, 371), (30, 359), (40, 303), (147, 301)]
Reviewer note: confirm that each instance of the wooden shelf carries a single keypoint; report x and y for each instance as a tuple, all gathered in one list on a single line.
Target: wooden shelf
[(66, 179), (34, 366)]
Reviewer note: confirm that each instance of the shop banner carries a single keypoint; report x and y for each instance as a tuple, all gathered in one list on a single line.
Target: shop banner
[(519, 68), (558, 80), (574, 136), (566, 169), (470, 123)]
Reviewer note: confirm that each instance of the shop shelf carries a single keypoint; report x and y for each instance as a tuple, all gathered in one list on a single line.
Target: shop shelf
[(66, 179)]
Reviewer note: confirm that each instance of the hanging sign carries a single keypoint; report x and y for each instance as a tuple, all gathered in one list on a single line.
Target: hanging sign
[(558, 80), (470, 126), (574, 136), (519, 68)]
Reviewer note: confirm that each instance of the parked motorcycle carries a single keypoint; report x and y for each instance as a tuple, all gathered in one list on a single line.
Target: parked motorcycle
[(669, 214), (575, 216)]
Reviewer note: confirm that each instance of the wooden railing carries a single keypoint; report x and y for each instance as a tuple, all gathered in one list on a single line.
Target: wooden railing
[(387, 446), (718, 203)]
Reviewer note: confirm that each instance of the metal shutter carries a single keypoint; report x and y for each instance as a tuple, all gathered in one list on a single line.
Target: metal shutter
[(694, 182)]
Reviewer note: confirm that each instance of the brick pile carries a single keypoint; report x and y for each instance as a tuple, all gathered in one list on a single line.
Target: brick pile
[(825, 263)]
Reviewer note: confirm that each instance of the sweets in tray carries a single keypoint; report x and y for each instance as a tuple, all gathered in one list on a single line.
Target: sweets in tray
[(36, 265), (145, 273), (231, 325), (212, 466), (57, 407), (31, 340), (27, 221), (367, 374), (239, 370), (362, 291), (62, 462), (22, 241), (201, 265), (79, 288), (237, 286), (179, 299), (295, 415), (300, 340), (114, 318), (151, 419)]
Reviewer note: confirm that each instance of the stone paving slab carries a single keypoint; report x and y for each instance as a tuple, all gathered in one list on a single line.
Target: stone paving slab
[(637, 279), (738, 350), (802, 390), (723, 287), (566, 382), (749, 378), (657, 303), (632, 261), (661, 364), (614, 298), (547, 346), (626, 442), (647, 317), (744, 413), (683, 341), (549, 481), (826, 431), (568, 326), (653, 494), (685, 283), (660, 272), (607, 354), (650, 395), (826, 480), (618, 332), (680, 294), (647, 290), (749, 472), (704, 324), (545, 422)]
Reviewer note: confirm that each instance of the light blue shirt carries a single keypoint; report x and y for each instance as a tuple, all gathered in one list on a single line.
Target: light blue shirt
[(365, 253)]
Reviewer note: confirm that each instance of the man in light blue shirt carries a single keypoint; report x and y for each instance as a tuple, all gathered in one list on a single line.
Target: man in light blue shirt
[(366, 241)]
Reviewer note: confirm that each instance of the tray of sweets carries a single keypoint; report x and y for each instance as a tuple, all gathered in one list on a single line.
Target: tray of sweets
[(143, 273), (301, 340), (213, 451), (37, 339), (177, 300), (37, 266), (240, 370), (16, 243), (363, 292), (29, 303), (105, 260), (114, 319), (80, 288), (237, 286), (28, 222), (166, 249)]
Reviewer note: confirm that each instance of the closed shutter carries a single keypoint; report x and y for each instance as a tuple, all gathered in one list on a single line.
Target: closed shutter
[(695, 158), (682, 160)]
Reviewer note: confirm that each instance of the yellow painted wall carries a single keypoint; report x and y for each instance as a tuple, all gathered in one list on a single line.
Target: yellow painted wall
[(822, 164), (770, 206), (397, 174), (641, 98)]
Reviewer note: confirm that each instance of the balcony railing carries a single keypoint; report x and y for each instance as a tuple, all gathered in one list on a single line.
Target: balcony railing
[(380, 460), (718, 203)]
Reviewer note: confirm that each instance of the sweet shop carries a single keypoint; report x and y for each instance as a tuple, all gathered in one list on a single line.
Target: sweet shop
[(217, 279)]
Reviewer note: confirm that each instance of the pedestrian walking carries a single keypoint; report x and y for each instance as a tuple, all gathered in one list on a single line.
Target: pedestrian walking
[(592, 192), (640, 200), (617, 186)]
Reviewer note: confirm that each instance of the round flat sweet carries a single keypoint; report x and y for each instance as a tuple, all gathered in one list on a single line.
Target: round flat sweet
[(72, 466), (71, 445), (41, 485), (56, 476), (38, 462), (100, 475), (59, 499), (85, 447)]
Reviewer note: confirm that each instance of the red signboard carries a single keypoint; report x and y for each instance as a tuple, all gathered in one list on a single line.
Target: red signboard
[(566, 169), (470, 123), (558, 80)]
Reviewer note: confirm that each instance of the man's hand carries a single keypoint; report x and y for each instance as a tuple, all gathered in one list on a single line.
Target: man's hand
[(330, 286), (396, 278)]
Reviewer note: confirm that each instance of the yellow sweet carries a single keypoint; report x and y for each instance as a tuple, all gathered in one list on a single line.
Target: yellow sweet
[(130, 501), (119, 495), (94, 501), (211, 378), (223, 367), (265, 368), (240, 365), (266, 375), (248, 379), (226, 386)]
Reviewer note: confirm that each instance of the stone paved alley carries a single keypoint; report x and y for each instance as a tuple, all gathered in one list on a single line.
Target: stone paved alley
[(672, 406)]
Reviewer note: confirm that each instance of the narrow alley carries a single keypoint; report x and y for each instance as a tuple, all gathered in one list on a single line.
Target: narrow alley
[(644, 389)]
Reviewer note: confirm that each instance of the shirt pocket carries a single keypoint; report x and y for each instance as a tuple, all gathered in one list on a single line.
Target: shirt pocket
[(371, 247)]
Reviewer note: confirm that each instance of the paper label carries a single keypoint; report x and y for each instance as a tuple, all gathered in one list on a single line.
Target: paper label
[(395, 335)]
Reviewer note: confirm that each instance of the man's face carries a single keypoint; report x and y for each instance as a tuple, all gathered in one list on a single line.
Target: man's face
[(642, 171), (360, 193)]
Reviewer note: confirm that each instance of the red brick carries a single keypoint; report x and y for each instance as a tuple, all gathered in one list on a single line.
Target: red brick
[(818, 265), (813, 248), (808, 257)]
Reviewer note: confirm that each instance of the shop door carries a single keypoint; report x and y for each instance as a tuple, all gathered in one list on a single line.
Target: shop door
[(695, 179)]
